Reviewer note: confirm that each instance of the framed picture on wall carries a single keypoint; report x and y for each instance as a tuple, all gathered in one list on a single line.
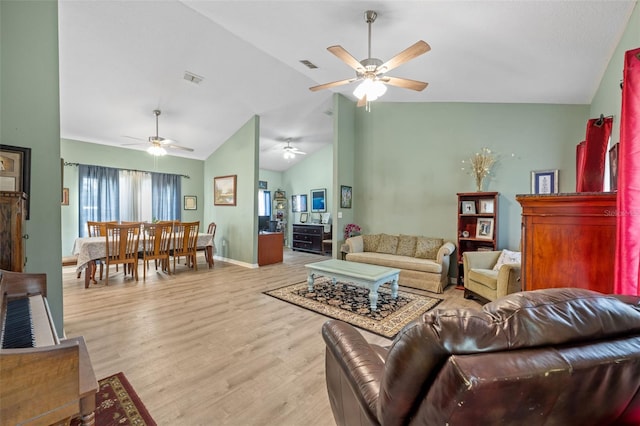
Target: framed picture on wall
[(190, 202), (65, 196), (318, 200), (224, 190), (299, 203), (15, 171), (544, 182), (262, 184), (345, 196), (613, 167)]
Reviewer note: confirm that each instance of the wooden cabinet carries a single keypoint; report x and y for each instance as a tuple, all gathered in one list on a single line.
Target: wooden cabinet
[(12, 228), (270, 246), (568, 240), (477, 224), (309, 238)]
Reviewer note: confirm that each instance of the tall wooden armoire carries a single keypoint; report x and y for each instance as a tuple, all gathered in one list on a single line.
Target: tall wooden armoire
[(12, 228)]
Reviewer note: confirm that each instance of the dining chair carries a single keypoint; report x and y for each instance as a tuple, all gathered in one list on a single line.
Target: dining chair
[(185, 238), (211, 229), (156, 245), (97, 229), (122, 247)]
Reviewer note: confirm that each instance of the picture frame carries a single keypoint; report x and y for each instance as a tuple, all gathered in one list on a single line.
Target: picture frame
[(544, 181), (484, 228), (468, 207), (262, 184), (304, 217), (318, 200), (190, 202), (65, 196), (346, 193), (15, 171), (299, 203), (224, 190), (486, 205), (613, 168)]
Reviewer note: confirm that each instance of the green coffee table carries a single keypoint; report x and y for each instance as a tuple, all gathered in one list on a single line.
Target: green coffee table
[(362, 274)]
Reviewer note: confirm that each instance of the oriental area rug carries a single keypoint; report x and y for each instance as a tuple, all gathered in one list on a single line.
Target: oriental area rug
[(350, 303), (118, 404)]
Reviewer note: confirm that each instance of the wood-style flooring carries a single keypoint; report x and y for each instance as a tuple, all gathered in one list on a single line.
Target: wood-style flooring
[(207, 347)]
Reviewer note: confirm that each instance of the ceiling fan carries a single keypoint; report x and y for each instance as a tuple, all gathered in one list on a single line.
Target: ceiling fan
[(371, 71), (290, 151), (158, 144)]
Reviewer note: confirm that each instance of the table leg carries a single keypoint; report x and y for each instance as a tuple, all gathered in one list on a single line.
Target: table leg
[(394, 288), (209, 255), (373, 298), (88, 273), (310, 279)]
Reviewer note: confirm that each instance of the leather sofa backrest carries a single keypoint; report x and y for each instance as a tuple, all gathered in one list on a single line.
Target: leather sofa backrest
[(520, 322)]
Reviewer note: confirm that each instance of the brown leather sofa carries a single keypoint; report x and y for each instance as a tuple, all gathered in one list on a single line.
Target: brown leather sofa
[(546, 357)]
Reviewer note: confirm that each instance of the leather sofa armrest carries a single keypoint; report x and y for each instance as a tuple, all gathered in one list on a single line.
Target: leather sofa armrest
[(354, 244), (360, 363), (446, 250), (509, 280)]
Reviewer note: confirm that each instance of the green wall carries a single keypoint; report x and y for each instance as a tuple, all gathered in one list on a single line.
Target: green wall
[(103, 155), (237, 233), (408, 161), (344, 137), (29, 99)]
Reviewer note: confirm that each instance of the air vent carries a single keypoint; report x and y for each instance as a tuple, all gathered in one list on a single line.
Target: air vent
[(308, 64), (189, 76)]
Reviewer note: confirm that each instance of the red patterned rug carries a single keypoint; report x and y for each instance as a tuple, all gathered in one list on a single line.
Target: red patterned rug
[(117, 404)]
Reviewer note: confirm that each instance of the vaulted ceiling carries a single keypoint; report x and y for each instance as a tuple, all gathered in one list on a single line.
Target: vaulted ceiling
[(120, 60)]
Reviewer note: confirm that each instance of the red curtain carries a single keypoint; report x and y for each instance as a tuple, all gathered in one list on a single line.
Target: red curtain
[(628, 214), (580, 151), (591, 173)]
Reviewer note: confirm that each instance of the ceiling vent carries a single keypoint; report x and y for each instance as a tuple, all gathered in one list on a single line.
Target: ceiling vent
[(189, 76), (308, 64)]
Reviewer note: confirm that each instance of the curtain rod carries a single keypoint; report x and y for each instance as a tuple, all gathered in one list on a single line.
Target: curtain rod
[(66, 163)]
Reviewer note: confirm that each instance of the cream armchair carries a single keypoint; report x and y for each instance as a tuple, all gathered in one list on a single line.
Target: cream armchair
[(481, 280)]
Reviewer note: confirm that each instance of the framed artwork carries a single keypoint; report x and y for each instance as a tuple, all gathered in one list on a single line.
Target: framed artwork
[(486, 205), (15, 170), (299, 203), (468, 207), (544, 182), (613, 167), (345, 196), (224, 190), (304, 217), (318, 200), (190, 202), (262, 184), (65, 196), (484, 228)]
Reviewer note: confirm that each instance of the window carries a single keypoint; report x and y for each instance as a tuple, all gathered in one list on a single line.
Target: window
[(264, 203)]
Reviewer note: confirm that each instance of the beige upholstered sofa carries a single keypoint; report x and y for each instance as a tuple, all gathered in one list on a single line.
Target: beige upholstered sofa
[(423, 261)]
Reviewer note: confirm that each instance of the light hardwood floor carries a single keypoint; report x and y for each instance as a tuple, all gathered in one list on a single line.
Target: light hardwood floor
[(207, 347)]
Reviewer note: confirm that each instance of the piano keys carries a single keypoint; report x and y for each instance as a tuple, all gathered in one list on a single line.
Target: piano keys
[(44, 379)]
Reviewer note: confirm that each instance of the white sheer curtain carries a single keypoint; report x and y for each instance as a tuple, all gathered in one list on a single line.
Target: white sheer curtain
[(135, 196)]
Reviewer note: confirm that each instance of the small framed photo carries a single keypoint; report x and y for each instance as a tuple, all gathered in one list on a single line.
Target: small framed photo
[(544, 182), (224, 190), (65, 196), (304, 217), (468, 207), (15, 171), (190, 202), (345, 196), (613, 167), (486, 205), (262, 184), (484, 228)]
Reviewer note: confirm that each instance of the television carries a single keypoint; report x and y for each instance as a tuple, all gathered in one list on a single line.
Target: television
[(264, 223)]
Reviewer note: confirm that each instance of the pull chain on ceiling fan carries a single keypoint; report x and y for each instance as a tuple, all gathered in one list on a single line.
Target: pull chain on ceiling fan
[(371, 71)]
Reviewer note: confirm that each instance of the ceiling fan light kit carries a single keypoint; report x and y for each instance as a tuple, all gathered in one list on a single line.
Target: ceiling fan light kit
[(371, 71), (157, 150), (159, 144)]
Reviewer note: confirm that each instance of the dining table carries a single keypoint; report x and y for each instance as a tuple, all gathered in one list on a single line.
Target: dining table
[(91, 249)]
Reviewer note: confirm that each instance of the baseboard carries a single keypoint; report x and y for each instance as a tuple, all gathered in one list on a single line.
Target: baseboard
[(236, 262)]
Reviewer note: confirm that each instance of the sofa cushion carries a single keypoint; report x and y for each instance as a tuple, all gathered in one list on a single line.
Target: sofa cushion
[(427, 248), (388, 244), (395, 261), (486, 277), (406, 245), (370, 242), (507, 257)]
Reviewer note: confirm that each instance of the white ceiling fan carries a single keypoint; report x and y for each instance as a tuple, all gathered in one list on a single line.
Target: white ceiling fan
[(158, 144), (371, 71), (290, 151)]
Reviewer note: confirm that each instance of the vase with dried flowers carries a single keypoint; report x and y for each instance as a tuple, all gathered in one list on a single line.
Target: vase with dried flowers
[(479, 166)]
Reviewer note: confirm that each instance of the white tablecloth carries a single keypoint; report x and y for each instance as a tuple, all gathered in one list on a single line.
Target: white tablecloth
[(92, 248)]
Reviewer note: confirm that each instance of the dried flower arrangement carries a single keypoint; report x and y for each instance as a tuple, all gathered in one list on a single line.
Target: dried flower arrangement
[(479, 166)]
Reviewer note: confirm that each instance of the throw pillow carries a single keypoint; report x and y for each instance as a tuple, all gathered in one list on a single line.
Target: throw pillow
[(507, 258), (370, 242), (388, 244), (427, 248), (406, 245)]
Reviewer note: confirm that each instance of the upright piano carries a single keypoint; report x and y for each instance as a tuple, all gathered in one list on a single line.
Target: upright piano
[(44, 380)]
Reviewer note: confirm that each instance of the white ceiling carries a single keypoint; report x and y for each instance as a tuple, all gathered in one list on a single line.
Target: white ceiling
[(120, 60)]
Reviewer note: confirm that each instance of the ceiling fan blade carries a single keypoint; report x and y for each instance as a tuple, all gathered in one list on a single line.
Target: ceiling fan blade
[(417, 49), (405, 83), (131, 137), (362, 102), (295, 151), (346, 57), (184, 148), (132, 144), (332, 84)]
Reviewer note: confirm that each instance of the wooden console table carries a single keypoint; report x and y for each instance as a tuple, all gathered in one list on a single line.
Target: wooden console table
[(270, 246), (569, 240)]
